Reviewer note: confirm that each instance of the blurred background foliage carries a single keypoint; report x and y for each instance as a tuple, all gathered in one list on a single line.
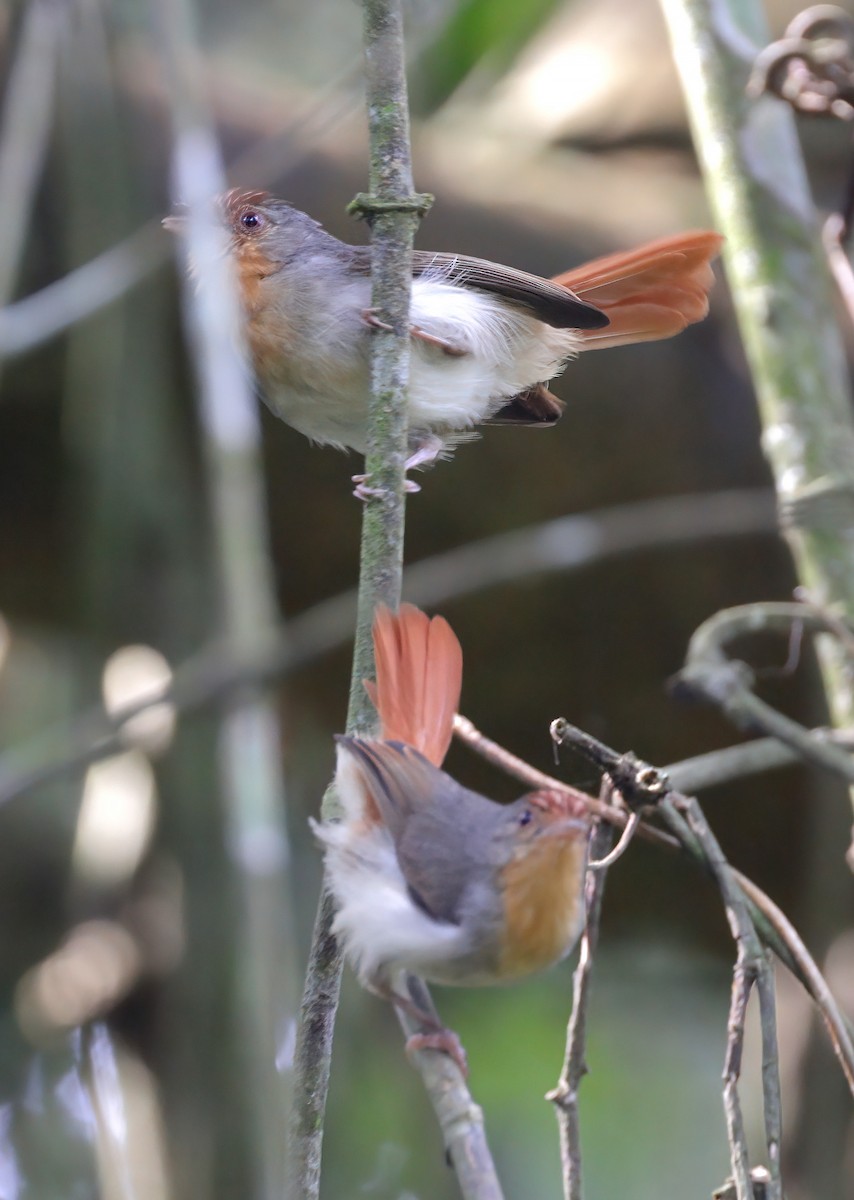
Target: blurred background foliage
[(549, 132)]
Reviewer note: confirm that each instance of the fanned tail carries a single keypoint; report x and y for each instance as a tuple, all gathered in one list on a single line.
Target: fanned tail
[(649, 293), (419, 677)]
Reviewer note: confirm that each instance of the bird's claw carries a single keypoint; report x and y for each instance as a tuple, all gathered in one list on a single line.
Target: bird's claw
[(366, 491), (443, 1040)]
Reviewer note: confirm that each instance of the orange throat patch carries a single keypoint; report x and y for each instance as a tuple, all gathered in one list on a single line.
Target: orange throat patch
[(542, 905)]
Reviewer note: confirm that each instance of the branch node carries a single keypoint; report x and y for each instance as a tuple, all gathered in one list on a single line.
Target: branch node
[(638, 783), (365, 205)]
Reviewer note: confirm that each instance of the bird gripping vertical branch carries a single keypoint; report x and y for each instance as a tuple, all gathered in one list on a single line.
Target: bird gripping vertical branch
[(393, 212)]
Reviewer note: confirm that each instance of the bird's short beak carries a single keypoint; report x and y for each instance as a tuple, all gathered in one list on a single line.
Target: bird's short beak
[(175, 224), (568, 826)]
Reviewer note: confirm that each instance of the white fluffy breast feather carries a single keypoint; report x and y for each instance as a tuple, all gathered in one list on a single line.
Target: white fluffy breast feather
[(380, 926)]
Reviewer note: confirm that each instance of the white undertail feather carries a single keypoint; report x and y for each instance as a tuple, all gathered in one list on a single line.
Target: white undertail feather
[(377, 921), (505, 350)]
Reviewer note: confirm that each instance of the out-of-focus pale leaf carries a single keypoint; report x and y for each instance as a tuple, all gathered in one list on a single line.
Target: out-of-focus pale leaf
[(479, 32)]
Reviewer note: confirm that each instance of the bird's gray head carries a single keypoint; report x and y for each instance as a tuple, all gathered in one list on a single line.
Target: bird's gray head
[(263, 230)]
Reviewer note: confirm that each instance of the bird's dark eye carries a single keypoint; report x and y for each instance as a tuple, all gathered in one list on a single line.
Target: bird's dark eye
[(526, 818), (251, 220)]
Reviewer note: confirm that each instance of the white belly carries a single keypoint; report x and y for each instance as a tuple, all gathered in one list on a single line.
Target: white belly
[(502, 351)]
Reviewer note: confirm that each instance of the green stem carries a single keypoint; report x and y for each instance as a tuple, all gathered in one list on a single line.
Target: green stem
[(760, 195), (381, 560)]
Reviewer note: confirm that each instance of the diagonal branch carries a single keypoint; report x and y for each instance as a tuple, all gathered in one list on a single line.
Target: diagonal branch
[(564, 1095)]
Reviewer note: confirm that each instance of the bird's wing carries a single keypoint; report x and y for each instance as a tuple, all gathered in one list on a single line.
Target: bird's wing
[(552, 303), (439, 828)]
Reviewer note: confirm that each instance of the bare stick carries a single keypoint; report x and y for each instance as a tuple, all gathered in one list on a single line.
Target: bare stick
[(770, 1081), (25, 130), (727, 683), (751, 965), (608, 860), (565, 1095), (742, 982), (804, 967), (459, 1118), (833, 237)]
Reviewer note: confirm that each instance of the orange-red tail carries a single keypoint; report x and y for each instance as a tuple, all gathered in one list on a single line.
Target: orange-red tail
[(419, 676), (649, 293)]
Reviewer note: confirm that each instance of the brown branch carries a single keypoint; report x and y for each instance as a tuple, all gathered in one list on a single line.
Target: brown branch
[(774, 927), (804, 967), (727, 684), (564, 1095), (833, 234), (751, 965)]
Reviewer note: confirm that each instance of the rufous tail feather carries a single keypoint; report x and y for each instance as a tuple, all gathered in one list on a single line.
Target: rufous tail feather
[(649, 293), (419, 676)]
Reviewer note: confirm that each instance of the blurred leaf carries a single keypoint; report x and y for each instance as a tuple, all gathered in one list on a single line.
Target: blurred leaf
[(479, 30)]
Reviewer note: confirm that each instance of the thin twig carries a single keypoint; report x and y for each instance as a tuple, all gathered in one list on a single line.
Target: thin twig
[(771, 1099), (85, 290), (631, 828), (459, 1118), (833, 235), (565, 1095), (805, 968), (580, 540), (511, 764), (751, 965), (26, 128), (727, 683), (742, 982), (740, 762)]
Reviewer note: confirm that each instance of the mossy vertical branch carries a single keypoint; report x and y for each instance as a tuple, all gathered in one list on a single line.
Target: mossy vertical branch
[(760, 195), (393, 212)]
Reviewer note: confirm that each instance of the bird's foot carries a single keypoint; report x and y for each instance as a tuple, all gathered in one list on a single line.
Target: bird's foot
[(443, 1040), (433, 1036), (373, 320), (425, 454), (431, 339), (366, 491)]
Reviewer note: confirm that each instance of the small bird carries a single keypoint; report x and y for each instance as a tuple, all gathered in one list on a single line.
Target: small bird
[(429, 877), (486, 338)]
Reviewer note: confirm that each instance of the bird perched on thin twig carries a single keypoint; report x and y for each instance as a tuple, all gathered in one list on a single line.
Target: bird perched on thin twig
[(486, 338), (428, 876)]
